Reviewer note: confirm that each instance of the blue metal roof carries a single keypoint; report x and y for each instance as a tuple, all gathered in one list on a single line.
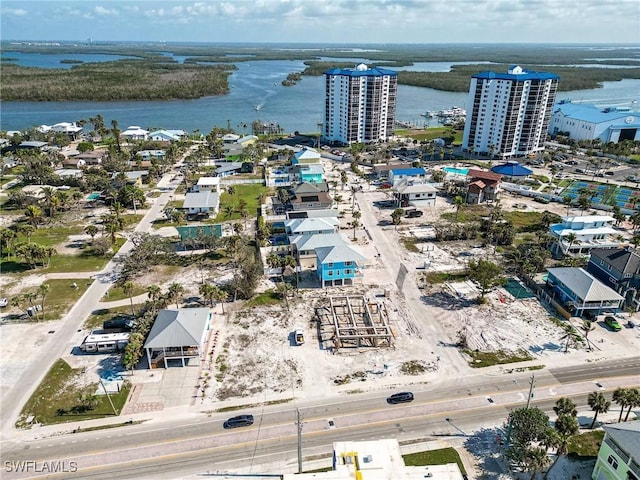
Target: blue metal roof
[(592, 114), (512, 169), (369, 72), (409, 171), (521, 77)]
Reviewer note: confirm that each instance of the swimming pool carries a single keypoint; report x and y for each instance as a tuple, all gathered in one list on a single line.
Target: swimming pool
[(93, 196), (456, 171)]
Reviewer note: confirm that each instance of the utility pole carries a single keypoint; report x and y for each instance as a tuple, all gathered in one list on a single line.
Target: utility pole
[(299, 424), (532, 383)]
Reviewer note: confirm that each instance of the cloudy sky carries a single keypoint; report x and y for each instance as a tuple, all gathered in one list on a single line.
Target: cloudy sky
[(325, 21)]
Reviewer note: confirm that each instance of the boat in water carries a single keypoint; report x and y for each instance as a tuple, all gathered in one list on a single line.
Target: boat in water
[(452, 112), (428, 114)]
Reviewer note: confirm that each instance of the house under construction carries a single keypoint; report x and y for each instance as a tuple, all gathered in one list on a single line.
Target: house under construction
[(353, 322)]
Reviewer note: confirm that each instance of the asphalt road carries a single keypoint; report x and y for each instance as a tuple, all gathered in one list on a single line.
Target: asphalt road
[(58, 344), (167, 448)]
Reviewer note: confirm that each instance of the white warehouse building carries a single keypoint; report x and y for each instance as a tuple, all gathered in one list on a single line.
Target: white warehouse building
[(360, 104), (588, 122), (510, 112)]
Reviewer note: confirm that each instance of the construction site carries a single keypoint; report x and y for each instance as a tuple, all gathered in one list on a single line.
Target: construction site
[(353, 322)]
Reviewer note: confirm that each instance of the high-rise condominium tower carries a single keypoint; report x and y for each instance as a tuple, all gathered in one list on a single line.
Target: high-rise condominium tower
[(510, 112), (360, 104)]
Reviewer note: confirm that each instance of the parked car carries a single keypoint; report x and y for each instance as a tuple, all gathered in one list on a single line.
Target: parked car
[(119, 324), (612, 323), (239, 421), (541, 200), (572, 162), (413, 213), (402, 397), (3, 302)]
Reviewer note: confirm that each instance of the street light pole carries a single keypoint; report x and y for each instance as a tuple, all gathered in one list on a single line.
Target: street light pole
[(532, 383), (299, 424)]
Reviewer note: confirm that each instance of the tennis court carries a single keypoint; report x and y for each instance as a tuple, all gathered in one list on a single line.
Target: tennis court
[(517, 289)]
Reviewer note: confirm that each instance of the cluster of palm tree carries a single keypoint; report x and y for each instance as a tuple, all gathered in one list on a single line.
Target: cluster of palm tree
[(286, 264)]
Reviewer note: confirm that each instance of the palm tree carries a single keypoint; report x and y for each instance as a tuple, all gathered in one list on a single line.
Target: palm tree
[(30, 297), (154, 293), (207, 291), (621, 397), (599, 404), (175, 292), (49, 194), (344, 178), (43, 290), (565, 406), (633, 401), (458, 201), (231, 190), (91, 230), (219, 295), (242, 210), (228, 210), (536, 460), (587, 327), (128, 288), (571, 239), (356, 221), (568, 201), (33, 214)]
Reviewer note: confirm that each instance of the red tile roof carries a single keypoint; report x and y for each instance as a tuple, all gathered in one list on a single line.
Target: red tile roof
[(483, 174)]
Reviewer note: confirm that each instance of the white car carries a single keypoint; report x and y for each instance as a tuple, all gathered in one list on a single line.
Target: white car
[(3, 302)]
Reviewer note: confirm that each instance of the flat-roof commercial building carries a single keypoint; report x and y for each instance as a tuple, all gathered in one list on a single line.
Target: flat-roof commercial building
[(588, 122), (510, 112), (360, 104)]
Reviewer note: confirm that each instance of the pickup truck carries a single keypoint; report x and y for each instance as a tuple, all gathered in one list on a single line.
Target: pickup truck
[(298, 337)]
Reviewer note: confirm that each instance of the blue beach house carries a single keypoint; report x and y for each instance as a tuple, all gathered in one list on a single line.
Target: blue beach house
[(398, 175), (339, 265)]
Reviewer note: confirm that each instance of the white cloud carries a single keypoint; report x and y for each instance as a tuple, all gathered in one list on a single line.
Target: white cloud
[(18, 12), (102, 11)]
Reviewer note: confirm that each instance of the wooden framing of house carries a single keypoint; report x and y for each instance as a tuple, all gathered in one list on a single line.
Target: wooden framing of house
[(356, 322)]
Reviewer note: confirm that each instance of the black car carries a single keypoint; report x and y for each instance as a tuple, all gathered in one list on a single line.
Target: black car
[(239, 421), (402, 397)]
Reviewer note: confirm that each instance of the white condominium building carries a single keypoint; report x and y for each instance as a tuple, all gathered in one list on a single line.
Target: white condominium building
[(360, 104), (510, 112)]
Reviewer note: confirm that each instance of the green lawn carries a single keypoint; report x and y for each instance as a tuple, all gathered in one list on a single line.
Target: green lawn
[(76, 263), (586, 444), (487, 359), (56, 398), (441, 456), (250, 193), (49, 236), (62, 295), (116, 293), (267, 298)]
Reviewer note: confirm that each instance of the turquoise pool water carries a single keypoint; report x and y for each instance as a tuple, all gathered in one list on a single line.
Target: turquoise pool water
[(456, 171), (93, 196)]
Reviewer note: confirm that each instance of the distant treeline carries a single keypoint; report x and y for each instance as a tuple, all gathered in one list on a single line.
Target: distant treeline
[(114, 81), (379, 54), (571, 78)]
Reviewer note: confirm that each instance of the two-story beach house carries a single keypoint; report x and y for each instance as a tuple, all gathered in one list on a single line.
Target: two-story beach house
[(619, 454), (581, 293), (415, 193), (339, 265), (397, 175), (580, 234), (482, 186), (619, 269)]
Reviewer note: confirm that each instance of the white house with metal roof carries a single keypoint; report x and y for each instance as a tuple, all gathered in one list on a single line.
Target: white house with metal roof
[(207, 184), (589, 122), (167, 135), (311, 226), (306, 156), (578, 235), (580, 292), (177, 336), (134, 132), (416, 193), (202, 202)]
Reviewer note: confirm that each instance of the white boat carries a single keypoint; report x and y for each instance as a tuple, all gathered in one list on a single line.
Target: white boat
[(257, 107), (428, 114), (452, 112)]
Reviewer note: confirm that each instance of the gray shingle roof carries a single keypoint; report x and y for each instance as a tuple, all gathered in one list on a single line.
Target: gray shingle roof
[(625, 261), (311, 241), (583, 284), (176, 328), (627, 436)]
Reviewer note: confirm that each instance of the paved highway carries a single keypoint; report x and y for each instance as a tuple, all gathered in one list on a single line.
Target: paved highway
[(168, 447)]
